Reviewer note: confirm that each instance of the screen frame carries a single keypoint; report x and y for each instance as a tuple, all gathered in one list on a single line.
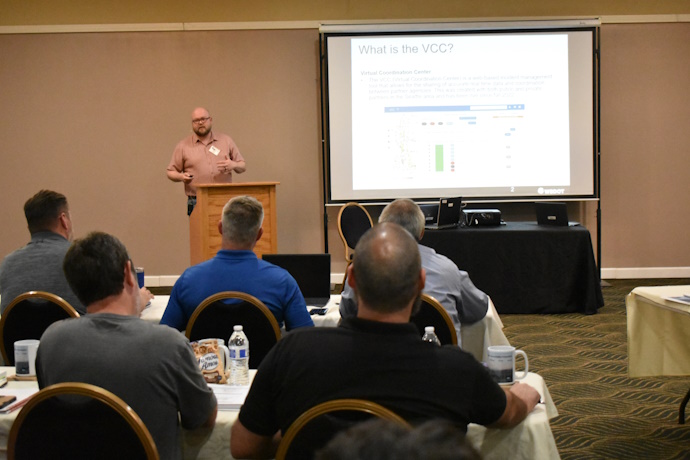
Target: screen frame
[(580, 25)]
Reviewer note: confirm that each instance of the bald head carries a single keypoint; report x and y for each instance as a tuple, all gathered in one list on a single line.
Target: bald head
[(405, 213), (387, 269), (199, 112)]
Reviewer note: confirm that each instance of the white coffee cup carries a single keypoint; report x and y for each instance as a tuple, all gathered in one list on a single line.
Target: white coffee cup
[(25, 357), (221, 346), (501, 364)]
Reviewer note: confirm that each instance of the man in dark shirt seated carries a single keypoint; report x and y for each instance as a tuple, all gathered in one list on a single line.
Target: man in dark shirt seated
[(151, 367), (377, 356)]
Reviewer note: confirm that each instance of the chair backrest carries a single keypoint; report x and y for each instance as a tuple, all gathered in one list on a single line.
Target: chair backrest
[(28, 316), (216, 316), (353, 222), (78, 420), (432, 313), (314, 428)]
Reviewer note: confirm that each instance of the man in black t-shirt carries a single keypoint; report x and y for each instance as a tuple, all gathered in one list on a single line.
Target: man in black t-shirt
[(377, 356)]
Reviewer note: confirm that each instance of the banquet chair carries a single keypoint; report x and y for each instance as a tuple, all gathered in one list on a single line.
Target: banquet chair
[(28, 316), (314, 428), (432, 313), (353, 221), (216, 316), (79, 420)]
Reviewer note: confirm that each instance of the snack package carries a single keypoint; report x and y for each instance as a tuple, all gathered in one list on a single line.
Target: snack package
[(211, 361)]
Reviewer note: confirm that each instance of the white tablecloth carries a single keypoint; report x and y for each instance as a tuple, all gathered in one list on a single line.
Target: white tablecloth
[(476, 338), (658, 332), (155, 311), (532, 439)]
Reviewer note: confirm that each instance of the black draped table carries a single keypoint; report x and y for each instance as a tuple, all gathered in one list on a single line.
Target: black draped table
[(525, 267)]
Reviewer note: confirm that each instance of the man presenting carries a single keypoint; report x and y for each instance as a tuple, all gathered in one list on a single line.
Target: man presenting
[(377, 356), (451, 286), (204, 157), (152, 368), (38, 265), (236, 268)]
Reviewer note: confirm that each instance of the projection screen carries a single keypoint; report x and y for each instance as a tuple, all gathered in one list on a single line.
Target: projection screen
[(489, 112)]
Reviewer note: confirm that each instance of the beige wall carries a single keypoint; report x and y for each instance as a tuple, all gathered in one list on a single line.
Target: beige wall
[(48, 12), (645, 144), (96, 116)]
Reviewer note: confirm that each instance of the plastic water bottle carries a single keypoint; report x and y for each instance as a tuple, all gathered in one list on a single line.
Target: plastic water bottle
[(430, 335), (239, 357)]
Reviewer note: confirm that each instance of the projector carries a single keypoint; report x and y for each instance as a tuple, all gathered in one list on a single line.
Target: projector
[(479, 217)]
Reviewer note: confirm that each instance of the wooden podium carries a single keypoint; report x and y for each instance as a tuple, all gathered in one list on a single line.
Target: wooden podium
[(204, 238)]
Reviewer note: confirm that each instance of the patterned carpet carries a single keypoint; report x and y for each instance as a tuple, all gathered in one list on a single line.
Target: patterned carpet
[(603, 413)]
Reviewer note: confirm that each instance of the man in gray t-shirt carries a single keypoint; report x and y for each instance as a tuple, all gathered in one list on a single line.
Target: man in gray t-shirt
[(151, 367)]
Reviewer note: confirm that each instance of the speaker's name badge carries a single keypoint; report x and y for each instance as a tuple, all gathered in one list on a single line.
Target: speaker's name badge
[(214, 150)]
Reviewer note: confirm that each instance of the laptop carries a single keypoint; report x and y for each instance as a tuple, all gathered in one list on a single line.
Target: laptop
[(430, 213), (551, 213), (312, 273), (448, 214)]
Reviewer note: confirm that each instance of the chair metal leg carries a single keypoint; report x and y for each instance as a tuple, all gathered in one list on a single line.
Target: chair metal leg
[(681, 416)]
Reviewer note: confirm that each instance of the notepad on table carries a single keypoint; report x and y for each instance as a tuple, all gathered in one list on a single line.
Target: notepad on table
[(230, 397), (684, 299)]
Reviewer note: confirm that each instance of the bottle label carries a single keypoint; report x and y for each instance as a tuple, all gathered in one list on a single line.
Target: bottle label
[(238, 353)]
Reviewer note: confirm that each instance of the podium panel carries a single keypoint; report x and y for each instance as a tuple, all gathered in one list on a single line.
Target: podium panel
[(204, 238)]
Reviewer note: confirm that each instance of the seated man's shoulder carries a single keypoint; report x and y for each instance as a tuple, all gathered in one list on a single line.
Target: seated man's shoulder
[(268, 266), (105, 324), (30, 257), (273, 271), (64, 326), (439, 259), (9, 258), (308, 336), (200, 268), (152, 339), (161, 333), (196, 274)]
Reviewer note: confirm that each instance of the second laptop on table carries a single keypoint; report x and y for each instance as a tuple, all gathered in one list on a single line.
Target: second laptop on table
[(312, 273)]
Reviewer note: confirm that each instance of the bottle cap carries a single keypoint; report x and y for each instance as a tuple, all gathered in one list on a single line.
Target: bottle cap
[(238, 327), (426, 329)]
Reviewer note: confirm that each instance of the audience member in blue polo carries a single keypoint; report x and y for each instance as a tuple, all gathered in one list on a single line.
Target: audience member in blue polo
[(236, 268)]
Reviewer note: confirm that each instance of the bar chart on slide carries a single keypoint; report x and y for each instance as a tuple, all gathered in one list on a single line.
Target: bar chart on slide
[(445, 143)]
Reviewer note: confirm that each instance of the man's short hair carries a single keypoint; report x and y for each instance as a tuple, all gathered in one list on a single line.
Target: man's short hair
[(43, 209), (387, 265), (242, 219), (380, 439), (405, 213), (95, 267)]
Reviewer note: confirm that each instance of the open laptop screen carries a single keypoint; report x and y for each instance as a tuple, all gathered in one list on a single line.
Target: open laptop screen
[(311, 271), (448, 213), (552, 213)]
